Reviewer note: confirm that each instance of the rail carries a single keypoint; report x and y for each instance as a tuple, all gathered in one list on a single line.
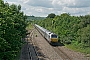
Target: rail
[(63, 55), (31, 48)]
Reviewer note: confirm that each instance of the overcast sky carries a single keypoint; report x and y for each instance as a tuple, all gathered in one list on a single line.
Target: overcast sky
[(45, 7)]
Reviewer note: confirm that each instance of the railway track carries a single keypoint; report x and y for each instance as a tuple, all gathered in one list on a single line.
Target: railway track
[(32, 50), (63, 55), (28, 51)]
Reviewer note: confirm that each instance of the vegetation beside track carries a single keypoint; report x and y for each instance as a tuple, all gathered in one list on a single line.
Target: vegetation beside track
[(29, 26), (78, 49)]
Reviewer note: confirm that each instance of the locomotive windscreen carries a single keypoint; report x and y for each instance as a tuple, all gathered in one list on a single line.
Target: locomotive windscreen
[(53, 36)]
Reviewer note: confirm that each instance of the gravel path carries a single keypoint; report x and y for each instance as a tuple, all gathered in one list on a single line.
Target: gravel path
[(74, 55)]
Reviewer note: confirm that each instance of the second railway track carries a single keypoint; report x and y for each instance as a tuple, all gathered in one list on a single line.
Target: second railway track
[(28, 51), (32, 50), (63, 55)]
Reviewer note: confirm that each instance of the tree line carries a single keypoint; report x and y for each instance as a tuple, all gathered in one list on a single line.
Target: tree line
[(12, 29), (74, 30)]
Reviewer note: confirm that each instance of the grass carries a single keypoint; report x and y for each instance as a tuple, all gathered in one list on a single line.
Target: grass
[(78, 49), (29, 27)]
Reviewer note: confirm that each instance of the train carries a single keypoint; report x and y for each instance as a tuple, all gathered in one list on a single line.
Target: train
[(51, 37)]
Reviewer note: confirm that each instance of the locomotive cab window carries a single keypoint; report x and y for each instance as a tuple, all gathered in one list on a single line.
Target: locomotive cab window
[(54, 36)]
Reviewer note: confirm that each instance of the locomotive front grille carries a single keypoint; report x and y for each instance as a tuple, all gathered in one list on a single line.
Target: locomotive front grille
[(54, 40)]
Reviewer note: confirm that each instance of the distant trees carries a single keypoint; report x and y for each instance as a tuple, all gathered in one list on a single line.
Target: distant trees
[(12, 29)]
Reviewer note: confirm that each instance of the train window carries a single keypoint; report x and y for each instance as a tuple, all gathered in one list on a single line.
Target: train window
[(49, 33), (53, 36)]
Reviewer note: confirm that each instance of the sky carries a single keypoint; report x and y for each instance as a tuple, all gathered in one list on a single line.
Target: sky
[(41, 8)]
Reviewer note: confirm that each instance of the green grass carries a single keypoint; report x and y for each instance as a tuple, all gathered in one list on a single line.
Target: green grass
[(78, 49), (29, 27)]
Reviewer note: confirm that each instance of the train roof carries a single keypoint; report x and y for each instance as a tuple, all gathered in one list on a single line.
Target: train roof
[(45, 30)]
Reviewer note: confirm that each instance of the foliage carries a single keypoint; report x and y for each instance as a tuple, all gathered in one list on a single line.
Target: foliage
[(52, 15), (29, 26), (70, 29), (12, 29)]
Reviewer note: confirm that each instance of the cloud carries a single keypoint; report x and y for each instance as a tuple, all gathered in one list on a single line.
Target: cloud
[(45, 7), (38, 3), (79, 4)]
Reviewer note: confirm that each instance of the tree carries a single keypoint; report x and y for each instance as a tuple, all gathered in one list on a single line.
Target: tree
[(52, 15), (12, 29)]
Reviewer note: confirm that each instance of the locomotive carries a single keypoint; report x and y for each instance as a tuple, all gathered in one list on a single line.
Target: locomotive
[(49, 36)]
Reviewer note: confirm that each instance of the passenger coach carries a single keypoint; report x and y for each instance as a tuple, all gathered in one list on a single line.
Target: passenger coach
[(49, 36)]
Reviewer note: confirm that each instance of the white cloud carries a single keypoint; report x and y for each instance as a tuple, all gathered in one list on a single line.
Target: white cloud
[(24, 1), (45, 7)]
